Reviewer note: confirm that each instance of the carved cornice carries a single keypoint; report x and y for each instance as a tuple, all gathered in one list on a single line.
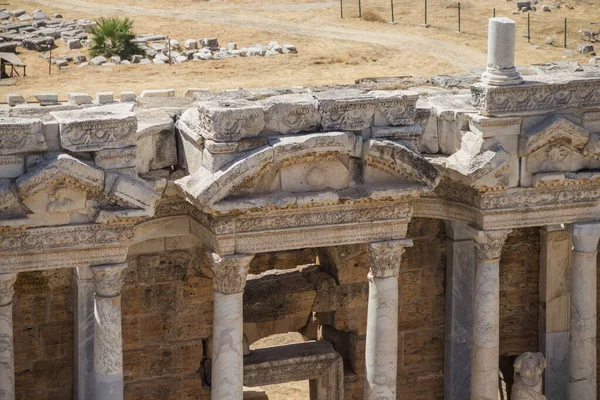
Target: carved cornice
[(108, 279), (230, 272), (7, 283), (488, 244), (385, 257)]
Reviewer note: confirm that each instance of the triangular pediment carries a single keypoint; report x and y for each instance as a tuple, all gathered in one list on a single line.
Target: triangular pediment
[(554, 129), (323, 168)]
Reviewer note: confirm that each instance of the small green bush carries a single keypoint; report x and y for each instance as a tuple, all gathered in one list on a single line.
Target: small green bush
[(114, 37)]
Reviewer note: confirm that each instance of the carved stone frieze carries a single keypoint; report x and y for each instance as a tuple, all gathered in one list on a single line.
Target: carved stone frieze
[(230, 272), (228, 121), (90, 130), (554, 129), (64, 236), (293, 113), (21, 135), (384, 257), (488, 244), (108, 279), (535, 97), (7, 283)]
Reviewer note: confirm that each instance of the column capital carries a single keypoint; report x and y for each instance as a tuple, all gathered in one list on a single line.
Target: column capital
[(230, 271), (488, 244), (108, 279), (384, 257), (7, 282), (585, 235)]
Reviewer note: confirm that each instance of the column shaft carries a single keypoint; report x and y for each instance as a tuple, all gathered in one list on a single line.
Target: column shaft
[(582, 316), (83, 306), (228, 334), (486, 314), (227, 377), (108, 341), (460, 276), (381, 352), (7, 352)]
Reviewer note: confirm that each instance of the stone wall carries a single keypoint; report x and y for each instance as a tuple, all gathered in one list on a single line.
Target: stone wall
[(167, 312), (43, 333)]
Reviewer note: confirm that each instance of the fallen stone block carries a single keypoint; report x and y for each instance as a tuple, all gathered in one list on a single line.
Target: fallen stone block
[(104, 97), (99, 60), (289, 48), (128, 97), (14, 99), (79, 98), (585, 49), (192, 91), (191, 44), (8, 47), (158, 93), (47, 99), (44, 43), (74, 44), (39, 15), (211, 43), (62, 63)]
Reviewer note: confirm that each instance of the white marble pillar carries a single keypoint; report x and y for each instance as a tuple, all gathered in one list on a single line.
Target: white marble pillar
[(7, 353), (582, 334), (108, 340), (381, 353), (83, 312), (486, 314), (227, 381), (460, 276), (554, 289), (501, 69)]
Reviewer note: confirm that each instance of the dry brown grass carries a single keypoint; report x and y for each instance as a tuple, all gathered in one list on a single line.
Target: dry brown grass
[(347, 48), (372, 16)]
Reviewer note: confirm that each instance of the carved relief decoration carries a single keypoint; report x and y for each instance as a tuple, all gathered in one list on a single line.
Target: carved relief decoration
[(108, 279), (7, 283), (488, 244), (230, 272), (384, 257)]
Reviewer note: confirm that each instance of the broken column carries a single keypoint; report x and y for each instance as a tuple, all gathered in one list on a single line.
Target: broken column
[(501, 69), (381, 352)]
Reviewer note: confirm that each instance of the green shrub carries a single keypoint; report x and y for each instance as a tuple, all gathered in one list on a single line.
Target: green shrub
[(114, 37)]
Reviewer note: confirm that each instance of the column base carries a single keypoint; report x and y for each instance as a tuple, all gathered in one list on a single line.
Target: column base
[(501, 77)]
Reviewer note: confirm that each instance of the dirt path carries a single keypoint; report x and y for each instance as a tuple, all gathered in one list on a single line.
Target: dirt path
[(458, 55)]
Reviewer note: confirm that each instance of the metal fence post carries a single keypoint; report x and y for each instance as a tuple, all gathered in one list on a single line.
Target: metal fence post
[(459, 16)]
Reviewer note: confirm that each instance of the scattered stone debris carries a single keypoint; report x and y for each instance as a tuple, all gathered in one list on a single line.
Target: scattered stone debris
[(586, 49)]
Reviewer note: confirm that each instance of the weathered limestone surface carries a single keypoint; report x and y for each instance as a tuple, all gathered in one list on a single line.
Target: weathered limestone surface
[(7, 360)]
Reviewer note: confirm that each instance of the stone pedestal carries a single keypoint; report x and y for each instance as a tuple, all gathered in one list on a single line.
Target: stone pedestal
[(381, 353), (229, 280), (486, 314), (7, 354), (108, 341), (500, 70), (83, 313), (460, 275), (555, 259), (582, 335)]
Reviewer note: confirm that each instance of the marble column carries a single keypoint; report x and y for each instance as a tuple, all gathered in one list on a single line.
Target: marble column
[(582, 335), (460, 276), (7, 354), (381, 353), (229, 280), (554, 289), (486, 314), (83, 310), (108, 340), (501, 69)]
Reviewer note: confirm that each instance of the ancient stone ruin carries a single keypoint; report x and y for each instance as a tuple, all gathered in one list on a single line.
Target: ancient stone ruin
[(420, 240)]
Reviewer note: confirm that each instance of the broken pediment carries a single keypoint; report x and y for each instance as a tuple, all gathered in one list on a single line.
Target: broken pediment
[(313, 168), (59, 183), (555, 129)]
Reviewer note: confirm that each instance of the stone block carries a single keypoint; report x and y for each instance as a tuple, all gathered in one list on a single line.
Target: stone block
[(20, 135), (56, 340), (73, 44), (11, 166), (104, 97), (79, 98), (194, 322), (89, 130), (165, 267), (192, 91), (14, 99), (164, 389), (116, 158), (156, 328), (289, 114), (195, 291), (158, 93), (128, 97), (228, 121), (277, 295), (130, 328), (47, 99), (356, 353)]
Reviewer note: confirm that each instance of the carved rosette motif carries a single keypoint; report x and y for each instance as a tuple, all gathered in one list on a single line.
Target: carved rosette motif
[(385, 257), (488, 244), (230, 272), (7, 282), (108, 279)]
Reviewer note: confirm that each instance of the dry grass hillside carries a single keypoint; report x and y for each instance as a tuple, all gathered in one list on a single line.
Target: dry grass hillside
[(330, 49)]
